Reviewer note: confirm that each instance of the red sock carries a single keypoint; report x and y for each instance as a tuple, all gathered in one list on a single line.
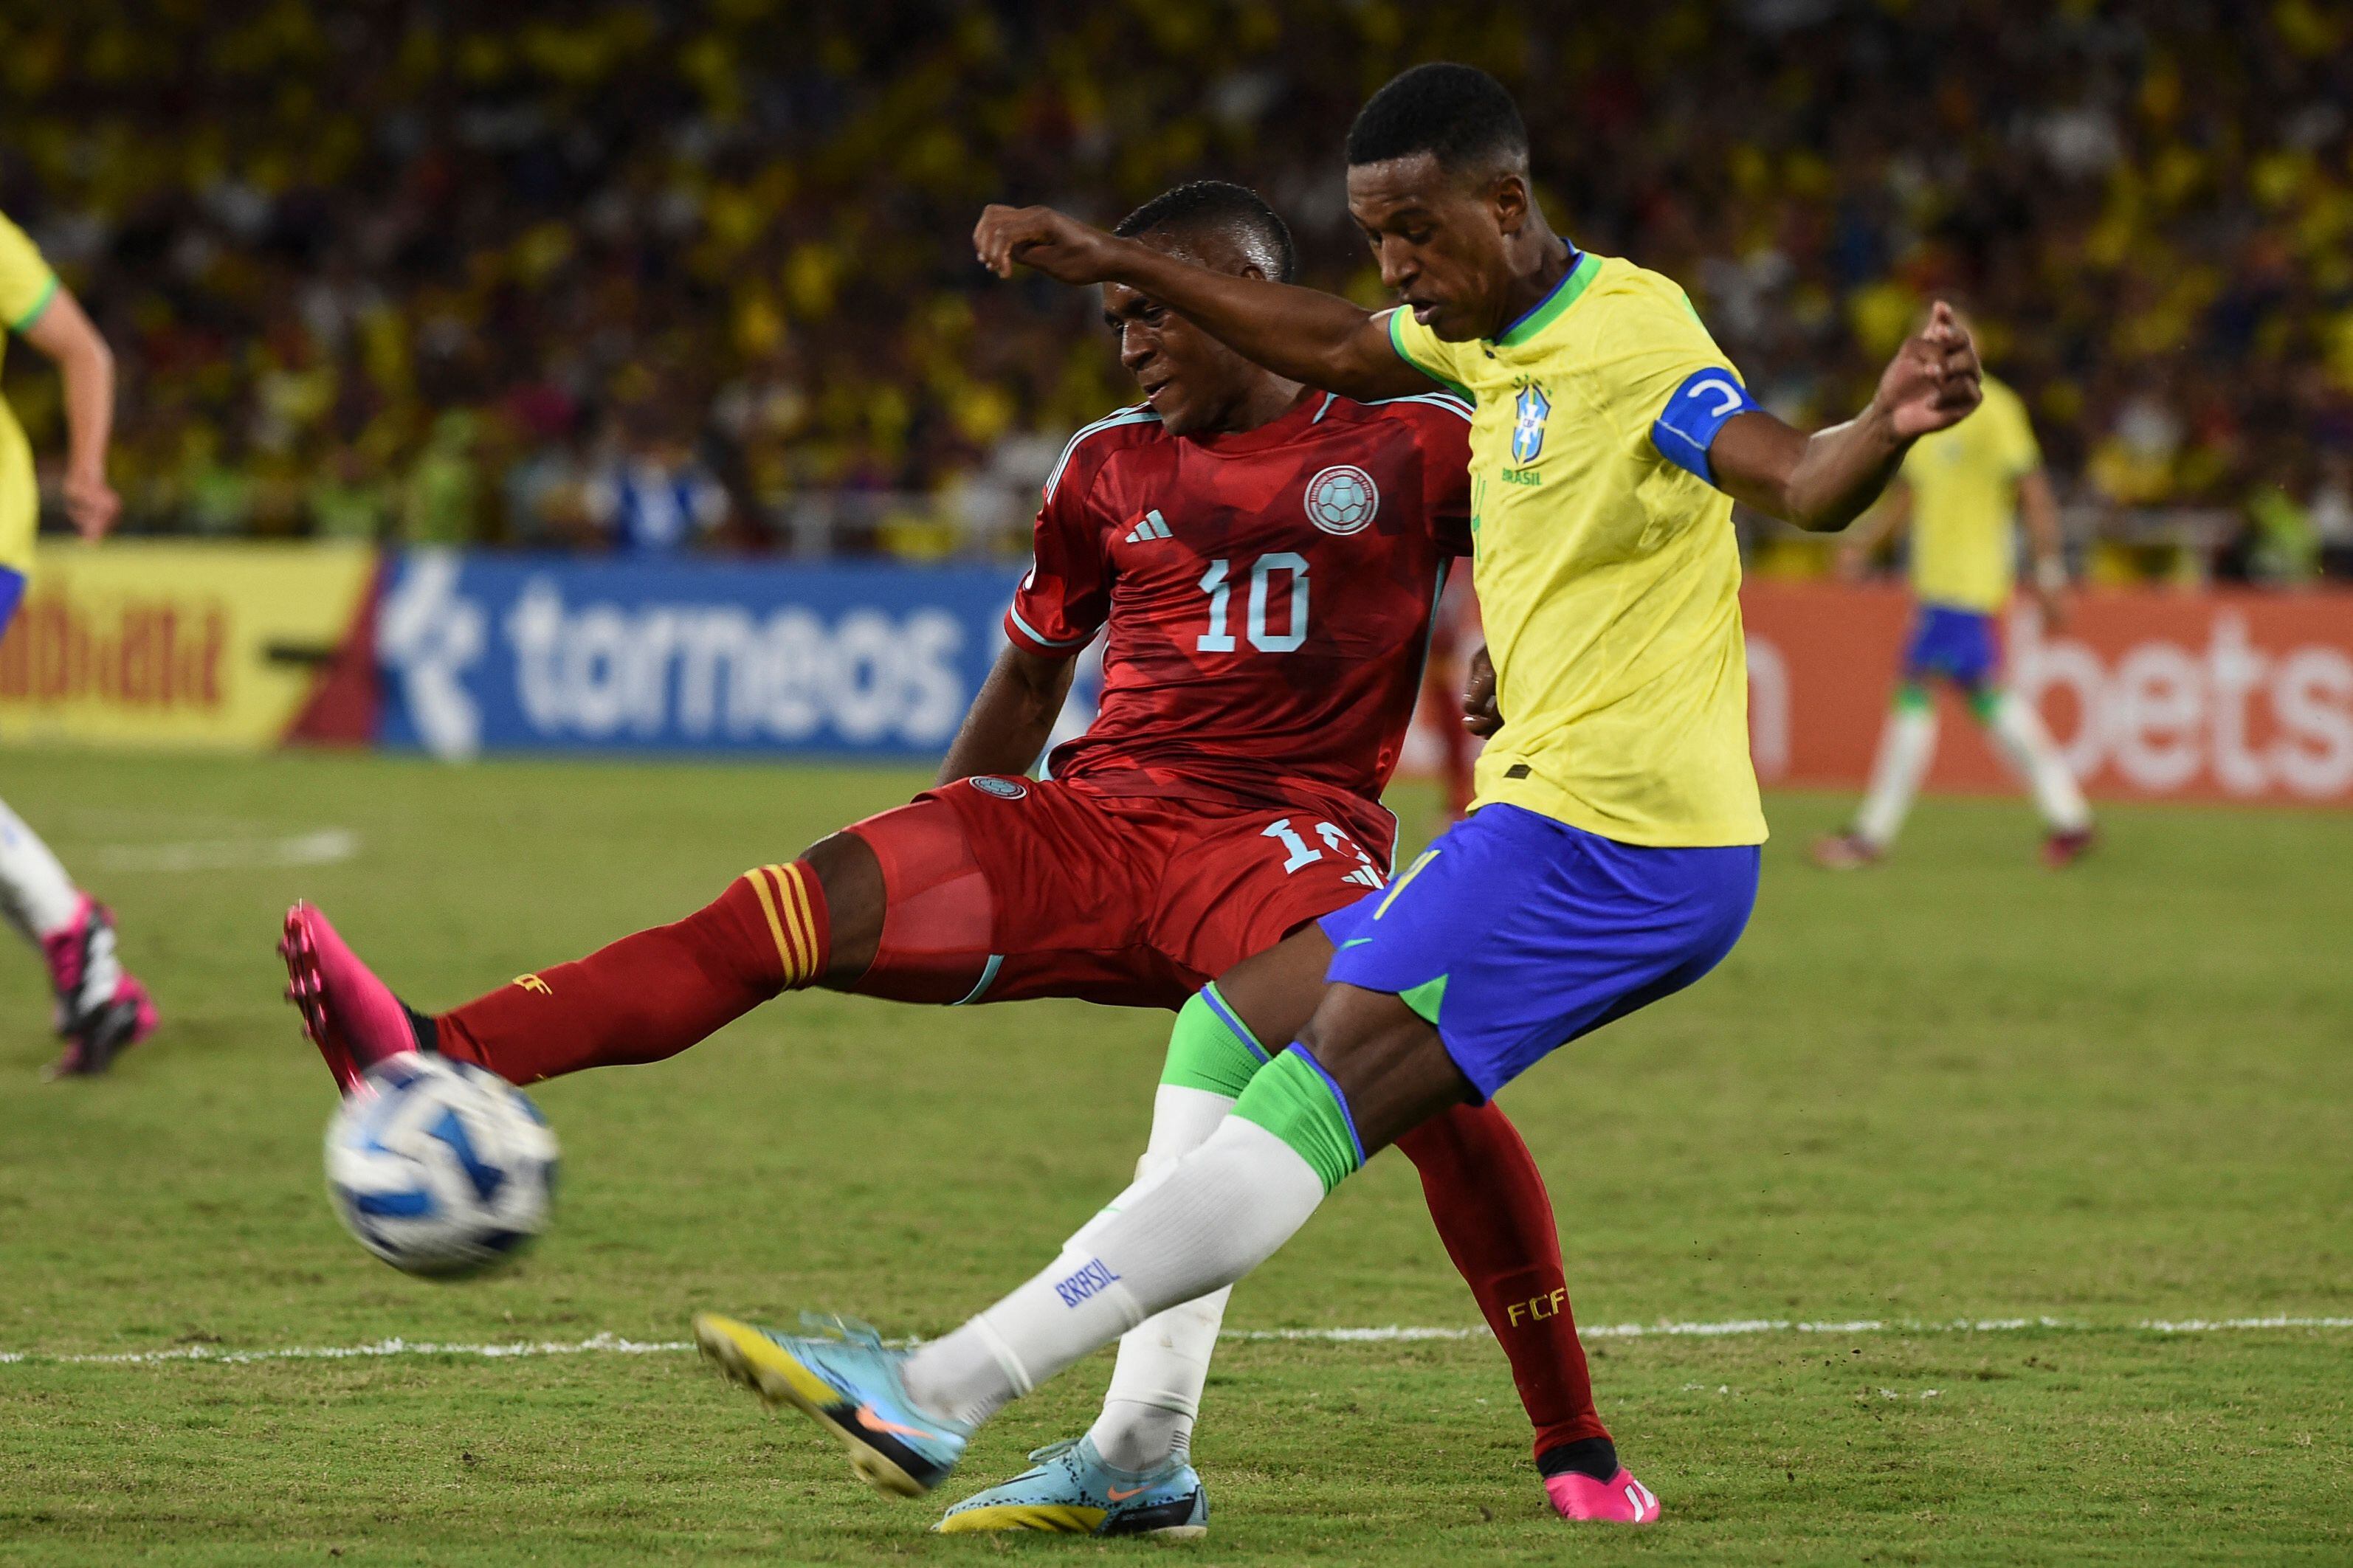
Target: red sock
[(1488, 1198), (651, 996)]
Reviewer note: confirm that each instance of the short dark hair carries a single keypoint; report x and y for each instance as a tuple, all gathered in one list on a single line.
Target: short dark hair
[(1219, 207), (1458, 115)]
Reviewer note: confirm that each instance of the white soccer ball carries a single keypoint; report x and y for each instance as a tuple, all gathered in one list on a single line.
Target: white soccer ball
[(439, 1167)]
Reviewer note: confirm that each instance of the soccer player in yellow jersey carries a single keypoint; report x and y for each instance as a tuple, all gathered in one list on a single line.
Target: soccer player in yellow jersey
[(1964, 492), (1611, 857), (101, 1008)]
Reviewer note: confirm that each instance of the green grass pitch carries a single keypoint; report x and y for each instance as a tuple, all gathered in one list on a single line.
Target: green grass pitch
[(1957, 1087)]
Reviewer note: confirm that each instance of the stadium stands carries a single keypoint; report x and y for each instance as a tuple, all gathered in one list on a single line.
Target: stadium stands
[(449, 273)]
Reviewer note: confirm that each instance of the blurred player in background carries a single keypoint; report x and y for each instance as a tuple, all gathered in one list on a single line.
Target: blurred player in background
[(1964, 491), (1265, 558), (101, 1008)]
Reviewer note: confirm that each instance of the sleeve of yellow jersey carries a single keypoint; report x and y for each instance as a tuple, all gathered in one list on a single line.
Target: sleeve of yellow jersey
[(1426, 352), (1659, 379), (1650, 345), (27, 284)]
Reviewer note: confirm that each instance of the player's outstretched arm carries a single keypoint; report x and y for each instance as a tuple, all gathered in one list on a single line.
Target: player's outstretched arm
[(1826, 480), (2038, 508), (1303, 333), (1881, 524), (66, 335), (1010, 721)]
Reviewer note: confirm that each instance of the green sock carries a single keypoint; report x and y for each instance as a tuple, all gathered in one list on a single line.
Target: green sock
[(1210, 1048), (1294, 1101)]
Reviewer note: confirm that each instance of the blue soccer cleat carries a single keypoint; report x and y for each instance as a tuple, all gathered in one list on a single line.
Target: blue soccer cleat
[(849, 1380), (1071, 1491)]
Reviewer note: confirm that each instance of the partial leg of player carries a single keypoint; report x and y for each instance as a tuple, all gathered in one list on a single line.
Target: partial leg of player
[(1484, 1194), (1575, 931), (102, 1007), (645, 998)]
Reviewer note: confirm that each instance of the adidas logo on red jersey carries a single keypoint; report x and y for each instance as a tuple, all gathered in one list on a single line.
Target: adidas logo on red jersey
[(1154, 526)]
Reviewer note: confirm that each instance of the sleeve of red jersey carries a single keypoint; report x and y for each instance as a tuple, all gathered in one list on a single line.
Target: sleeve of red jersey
[(1061, 603), (1444, 425)]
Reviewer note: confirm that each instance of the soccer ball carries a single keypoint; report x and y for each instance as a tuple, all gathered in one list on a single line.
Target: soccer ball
[(439, 1167)]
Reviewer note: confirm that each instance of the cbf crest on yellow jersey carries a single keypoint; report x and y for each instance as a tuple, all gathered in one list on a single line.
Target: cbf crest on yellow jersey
[(1607, 574), (1964, 482), (27, 286)]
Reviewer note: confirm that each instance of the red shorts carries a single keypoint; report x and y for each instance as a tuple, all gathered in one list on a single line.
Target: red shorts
[(1003, 888)]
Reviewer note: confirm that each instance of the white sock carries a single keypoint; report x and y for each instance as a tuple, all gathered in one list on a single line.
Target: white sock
[(1182, 1120), (1221, 1211), (1155, 1389), (2018, 728), (1906, 746), (35, 891)]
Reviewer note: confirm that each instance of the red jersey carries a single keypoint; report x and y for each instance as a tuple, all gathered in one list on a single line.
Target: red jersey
[(1269, 597)]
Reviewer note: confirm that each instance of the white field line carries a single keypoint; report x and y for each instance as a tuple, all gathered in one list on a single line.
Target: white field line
[(325, 848), (603, 1344), (614, 1344)]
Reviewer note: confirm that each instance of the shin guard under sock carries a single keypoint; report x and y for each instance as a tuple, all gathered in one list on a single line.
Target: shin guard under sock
[(650, 995), (1488, 1201)]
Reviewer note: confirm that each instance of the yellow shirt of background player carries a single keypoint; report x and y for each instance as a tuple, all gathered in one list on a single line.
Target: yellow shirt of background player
[(1609, 578), (27, 286), (1964, 483)]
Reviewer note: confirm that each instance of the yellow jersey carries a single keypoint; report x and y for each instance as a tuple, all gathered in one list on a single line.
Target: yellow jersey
[(26, 287), (1964, 482), (1609, 577)]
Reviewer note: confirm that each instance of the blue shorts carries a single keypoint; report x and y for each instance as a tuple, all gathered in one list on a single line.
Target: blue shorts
[(12, 594), (1514, 934), (1959, 645)]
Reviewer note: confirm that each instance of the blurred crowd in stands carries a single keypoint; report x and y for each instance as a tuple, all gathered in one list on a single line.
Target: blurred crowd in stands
[(659, 276)]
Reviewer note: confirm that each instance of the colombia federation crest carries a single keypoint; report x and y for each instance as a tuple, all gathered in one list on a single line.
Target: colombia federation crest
[(1343, 499)]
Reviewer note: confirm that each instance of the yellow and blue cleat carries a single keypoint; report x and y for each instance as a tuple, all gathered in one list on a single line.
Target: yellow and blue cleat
[(849, 1380), (1071, 1491)]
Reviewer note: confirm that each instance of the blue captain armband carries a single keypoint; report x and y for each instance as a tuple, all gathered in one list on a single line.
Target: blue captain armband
[(1686, 427)]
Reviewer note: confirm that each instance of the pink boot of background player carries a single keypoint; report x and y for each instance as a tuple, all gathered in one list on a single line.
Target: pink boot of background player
[(102, 1011), (1621, 1499)]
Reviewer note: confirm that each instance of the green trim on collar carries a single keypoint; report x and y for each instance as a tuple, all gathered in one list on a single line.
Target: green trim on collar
[(49, 293), (1397, 341), (1565, 293)]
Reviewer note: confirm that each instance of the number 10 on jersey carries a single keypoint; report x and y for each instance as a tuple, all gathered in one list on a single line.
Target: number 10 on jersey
[(1217, 583)]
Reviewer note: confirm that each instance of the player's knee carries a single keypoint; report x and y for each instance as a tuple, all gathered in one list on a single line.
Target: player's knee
[(1384, 1061), (852, 878), (1210, 1048), (1296, 1100)]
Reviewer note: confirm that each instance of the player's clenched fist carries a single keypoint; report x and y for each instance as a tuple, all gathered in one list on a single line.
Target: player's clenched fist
[(1481, 715), (1934, 379), (1061, 247), (91, 504)]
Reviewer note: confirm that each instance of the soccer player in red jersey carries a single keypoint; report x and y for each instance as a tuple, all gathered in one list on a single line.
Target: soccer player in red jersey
[(1264, 558)]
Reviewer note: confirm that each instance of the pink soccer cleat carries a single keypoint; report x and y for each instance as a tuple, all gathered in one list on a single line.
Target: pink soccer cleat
[(1847, 851), (1620, 1499), (350, 1015), (102, 1010), (2061, 851)]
